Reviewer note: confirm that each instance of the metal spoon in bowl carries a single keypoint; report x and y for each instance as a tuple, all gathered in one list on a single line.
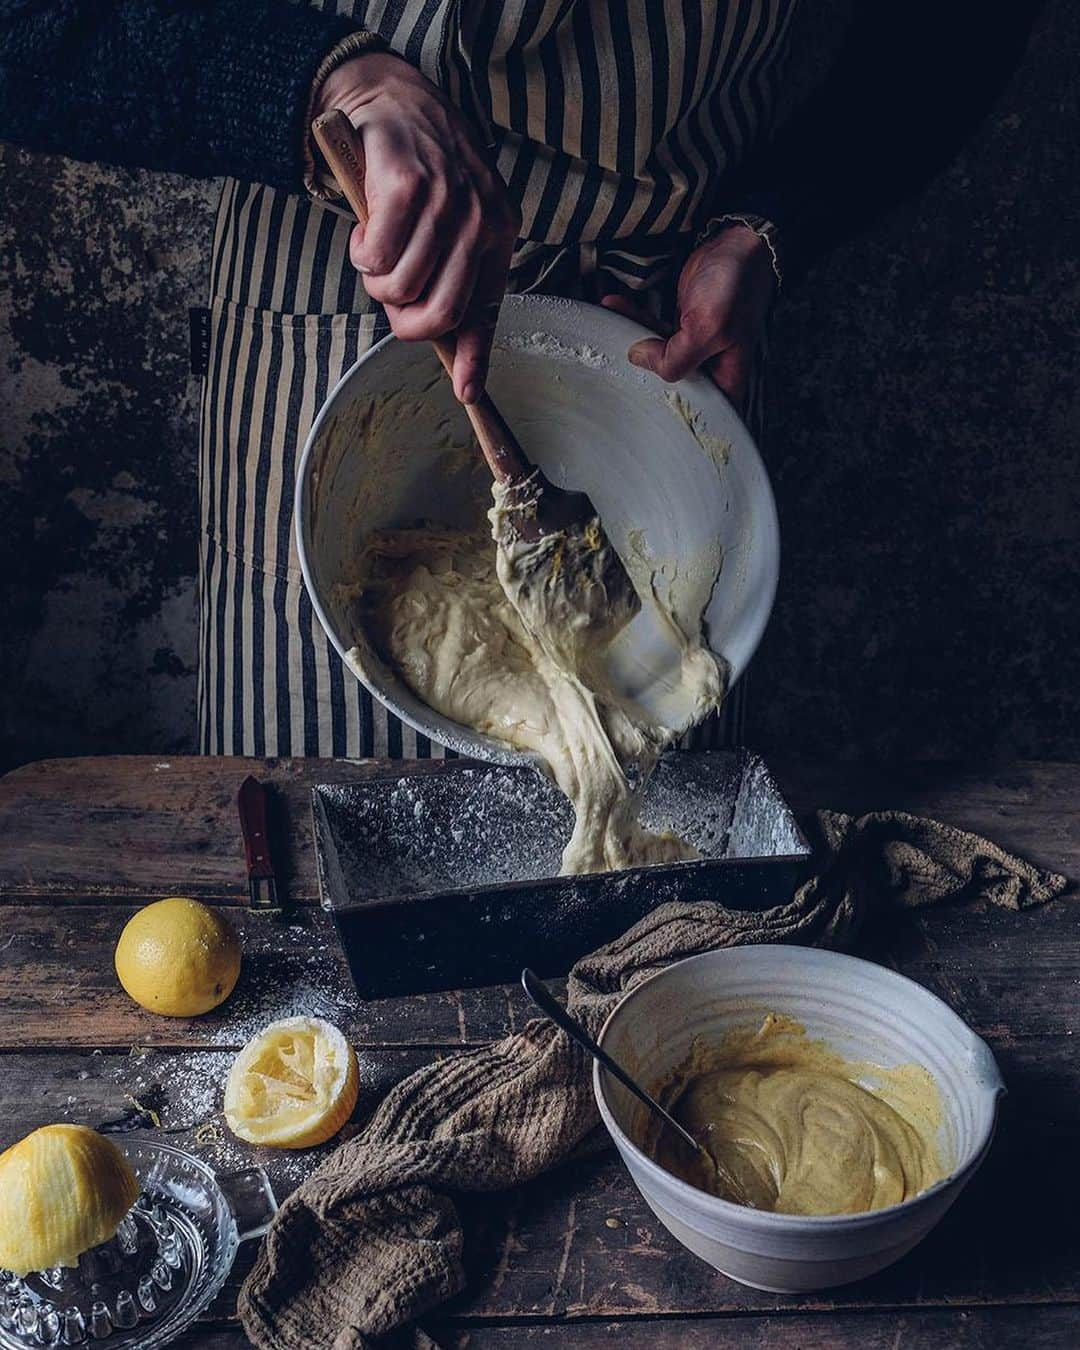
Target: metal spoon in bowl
[(542, 996)]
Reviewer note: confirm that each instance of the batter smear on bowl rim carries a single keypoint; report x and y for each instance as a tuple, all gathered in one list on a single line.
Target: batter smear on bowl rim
[(512, 641)]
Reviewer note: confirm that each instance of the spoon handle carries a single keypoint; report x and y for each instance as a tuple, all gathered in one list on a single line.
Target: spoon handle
[(538, 991), (343, 151)]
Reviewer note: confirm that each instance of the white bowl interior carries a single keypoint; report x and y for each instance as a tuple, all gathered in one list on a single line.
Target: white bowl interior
[(674, 474), (864, 1011)]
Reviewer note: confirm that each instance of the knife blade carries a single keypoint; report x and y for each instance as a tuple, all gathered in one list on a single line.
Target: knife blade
[(262, 885)]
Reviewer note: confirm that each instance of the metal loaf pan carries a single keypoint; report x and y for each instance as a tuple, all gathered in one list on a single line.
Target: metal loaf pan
[(450, 880)]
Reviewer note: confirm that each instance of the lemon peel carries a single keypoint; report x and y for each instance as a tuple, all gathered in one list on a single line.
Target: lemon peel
[(294, 1085), (63, 1190)]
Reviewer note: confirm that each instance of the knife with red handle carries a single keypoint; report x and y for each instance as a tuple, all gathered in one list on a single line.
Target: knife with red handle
[(251, 801)]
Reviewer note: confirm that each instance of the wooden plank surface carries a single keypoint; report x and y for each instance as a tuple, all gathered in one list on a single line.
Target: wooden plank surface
[(580, 1242), (58, 988), (981, 1329), (575, 1258), (1030, 806), (139, 826), (1019, 1328), (186, 1089), (1014, 977)]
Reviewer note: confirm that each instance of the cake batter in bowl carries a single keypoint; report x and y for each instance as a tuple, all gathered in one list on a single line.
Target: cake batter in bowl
[(673, 472)]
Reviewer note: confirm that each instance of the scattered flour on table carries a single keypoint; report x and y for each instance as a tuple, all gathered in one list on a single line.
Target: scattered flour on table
[(302, 974)]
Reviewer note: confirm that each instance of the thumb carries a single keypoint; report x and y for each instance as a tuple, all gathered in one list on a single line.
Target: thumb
[(671, 360)]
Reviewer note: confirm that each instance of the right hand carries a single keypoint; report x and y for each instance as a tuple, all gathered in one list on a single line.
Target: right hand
[(436, 249)]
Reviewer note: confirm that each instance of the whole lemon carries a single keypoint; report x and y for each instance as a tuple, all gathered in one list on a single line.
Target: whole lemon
[(177, 957)]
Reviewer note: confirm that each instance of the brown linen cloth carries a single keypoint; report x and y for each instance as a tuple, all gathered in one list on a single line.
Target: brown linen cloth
[(372, 1239)]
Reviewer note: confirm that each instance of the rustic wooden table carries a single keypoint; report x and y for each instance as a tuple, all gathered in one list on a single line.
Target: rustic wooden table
[(575, 1258)]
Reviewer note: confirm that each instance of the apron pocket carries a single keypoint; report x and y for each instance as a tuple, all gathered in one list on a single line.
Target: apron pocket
[(268, 376)]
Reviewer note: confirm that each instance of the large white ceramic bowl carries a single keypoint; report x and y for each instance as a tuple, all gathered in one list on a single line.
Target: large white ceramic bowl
[(866, 1013), (674, 474)]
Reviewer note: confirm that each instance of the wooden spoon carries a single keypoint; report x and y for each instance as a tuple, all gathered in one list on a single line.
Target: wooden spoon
[(544, 508)]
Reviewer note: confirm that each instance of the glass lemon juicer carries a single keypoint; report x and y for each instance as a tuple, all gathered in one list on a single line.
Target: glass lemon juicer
[(166, 1263)]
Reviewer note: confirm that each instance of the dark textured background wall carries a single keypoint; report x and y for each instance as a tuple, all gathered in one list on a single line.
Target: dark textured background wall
[(925, 449), (923, 441), (98, 456)]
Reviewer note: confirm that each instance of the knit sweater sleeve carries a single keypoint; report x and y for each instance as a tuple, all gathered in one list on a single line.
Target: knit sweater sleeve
[(912, 82), (201, 87)]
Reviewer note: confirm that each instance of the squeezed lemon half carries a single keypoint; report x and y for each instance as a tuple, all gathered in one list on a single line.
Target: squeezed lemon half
[(293, 1086), (178, 957), (63, 1190)]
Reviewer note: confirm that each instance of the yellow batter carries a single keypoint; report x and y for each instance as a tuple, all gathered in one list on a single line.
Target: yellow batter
[(793, 1128), (489, 638)]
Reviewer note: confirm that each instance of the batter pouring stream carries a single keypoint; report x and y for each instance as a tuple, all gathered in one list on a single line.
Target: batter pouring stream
[(512, 643)]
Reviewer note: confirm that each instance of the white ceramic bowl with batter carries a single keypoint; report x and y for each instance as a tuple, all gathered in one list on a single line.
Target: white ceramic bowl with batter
[(675, 476), (866, 1013)]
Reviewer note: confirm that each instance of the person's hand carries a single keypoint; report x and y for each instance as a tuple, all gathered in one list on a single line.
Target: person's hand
[(725, 290), (437, 245)]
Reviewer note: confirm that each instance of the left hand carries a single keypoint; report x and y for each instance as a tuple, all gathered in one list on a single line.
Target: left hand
[(725, 290)]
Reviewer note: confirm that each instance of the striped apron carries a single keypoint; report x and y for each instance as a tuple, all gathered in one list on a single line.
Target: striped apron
[(614, 123)]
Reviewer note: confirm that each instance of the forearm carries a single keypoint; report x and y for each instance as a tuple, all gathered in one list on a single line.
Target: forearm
[(912, 83), (202, 87)]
